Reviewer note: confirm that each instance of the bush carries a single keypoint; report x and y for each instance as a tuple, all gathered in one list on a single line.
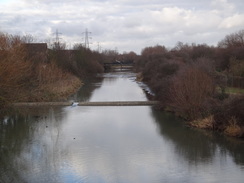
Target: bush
[(3, 102), (191, 91), (15, 70), (233, 129), (22, 77), (231, 109), (81, 62)]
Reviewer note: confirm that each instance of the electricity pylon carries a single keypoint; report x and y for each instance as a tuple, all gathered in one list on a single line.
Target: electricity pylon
[(56, 44), (57, 36), (86, 33), (98, 47)]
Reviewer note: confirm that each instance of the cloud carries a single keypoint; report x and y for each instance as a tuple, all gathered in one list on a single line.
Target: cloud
[(223, 6), (128, 25), (233, 21)]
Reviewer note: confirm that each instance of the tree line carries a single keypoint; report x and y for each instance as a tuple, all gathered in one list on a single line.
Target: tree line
[(189, 79), (192, 81), (32, 72)]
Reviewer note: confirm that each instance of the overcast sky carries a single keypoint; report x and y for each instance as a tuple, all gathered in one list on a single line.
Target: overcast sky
[(125, 25)]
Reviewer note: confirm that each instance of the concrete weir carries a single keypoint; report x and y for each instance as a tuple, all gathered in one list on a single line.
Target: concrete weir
[(112, 103)]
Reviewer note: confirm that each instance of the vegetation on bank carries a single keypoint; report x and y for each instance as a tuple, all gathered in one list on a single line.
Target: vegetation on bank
[(235, 91), (202, 84), (32, 72), (194, 81)]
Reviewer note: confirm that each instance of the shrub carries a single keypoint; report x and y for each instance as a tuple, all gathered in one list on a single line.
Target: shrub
[(191, 92), (231, 109), (233, 129), (15, 70)]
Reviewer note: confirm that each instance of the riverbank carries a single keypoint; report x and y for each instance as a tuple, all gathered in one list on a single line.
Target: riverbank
[(225, 116), (56, 91), (32, 72), (227, 120), (192, 82), (231, 129)]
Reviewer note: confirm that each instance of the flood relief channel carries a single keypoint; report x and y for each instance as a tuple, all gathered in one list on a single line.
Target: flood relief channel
[(112, 144)]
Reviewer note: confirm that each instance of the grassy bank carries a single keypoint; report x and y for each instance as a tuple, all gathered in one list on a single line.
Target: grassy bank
[(232, 90), (34, 73), (228, 119), (232, 128), (57, 91)]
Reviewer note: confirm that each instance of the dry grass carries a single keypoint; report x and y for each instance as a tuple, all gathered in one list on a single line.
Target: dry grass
[(60, 90), (206, 123), (233, 129), (139, 77), (15, 70), (55, 83), (25, 80)]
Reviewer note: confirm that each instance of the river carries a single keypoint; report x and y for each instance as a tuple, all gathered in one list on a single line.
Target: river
[(119, 144)]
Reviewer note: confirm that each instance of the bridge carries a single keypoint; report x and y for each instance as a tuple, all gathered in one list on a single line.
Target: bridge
[(117, 64), (112, 103)]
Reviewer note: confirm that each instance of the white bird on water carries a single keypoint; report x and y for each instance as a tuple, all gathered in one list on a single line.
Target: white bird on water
[(74, 104)]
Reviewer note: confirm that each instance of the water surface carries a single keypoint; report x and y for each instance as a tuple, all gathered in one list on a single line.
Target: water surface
[(124, 144)]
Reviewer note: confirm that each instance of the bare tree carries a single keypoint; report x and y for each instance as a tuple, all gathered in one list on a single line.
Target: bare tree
[(233, 40), (190, 91)]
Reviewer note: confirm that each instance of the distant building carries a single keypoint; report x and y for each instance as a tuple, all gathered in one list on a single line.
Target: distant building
[(37, 52)]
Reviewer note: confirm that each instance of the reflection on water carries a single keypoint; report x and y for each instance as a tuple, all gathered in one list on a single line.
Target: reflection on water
[(114, 86), (113, 144), (85, 92), (197, 149), (205, 144), (25, 144)]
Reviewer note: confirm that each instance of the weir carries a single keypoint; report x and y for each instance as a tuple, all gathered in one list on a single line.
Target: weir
[(112, 103)]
